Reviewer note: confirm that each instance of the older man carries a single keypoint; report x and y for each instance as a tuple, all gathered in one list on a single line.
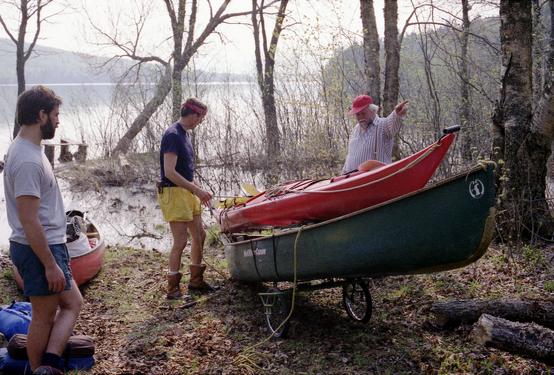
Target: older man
[(373, 136)]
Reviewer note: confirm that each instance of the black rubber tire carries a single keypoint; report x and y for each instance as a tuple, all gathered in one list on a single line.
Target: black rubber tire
[(279, 312), (356, 300)]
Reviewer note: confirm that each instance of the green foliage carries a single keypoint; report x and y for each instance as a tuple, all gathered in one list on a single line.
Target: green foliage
[(474, 288), (212, 236), (533, 256), (403, 292), (549, 286), (7, 274)]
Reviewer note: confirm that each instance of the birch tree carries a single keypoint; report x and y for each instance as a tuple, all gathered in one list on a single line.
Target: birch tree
[(522, 138), (265, 68)]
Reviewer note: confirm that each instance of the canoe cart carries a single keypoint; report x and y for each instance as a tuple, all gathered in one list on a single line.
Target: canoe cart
[(86, 247), (296, 202), (441, 227)]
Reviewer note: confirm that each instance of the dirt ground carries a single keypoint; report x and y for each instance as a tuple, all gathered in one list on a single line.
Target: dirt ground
[(138, 332)]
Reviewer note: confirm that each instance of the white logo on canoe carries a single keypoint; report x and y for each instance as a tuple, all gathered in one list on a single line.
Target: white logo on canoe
[(257, 251), (476, 189)]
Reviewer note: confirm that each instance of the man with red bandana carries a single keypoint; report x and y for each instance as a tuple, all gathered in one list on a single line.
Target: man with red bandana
[(180, 197)]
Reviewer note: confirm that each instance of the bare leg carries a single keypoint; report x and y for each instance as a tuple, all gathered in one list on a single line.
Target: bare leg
[(198, 236), (179, 232), (44, 314), (70, 306)]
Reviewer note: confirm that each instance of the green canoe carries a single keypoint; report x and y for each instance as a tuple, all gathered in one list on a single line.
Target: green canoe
[(444, 226)]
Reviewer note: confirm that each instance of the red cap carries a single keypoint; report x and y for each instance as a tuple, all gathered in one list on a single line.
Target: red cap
[(359, 103)]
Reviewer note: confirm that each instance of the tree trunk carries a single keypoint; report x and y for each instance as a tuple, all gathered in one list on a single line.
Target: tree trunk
[(162, 90), (266, 81), (539, 46), (465, 105), (177, 93), (20, 58), (523, 209), (178, 29), (528, 339), (452, 313), (371, 50), (392, 64), (20, 69)]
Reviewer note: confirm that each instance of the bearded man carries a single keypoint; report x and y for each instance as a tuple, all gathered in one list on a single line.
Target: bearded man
[(36, 216)]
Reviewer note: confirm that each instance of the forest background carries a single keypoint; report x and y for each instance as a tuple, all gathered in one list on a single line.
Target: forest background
[(278, 108), (284, 115)]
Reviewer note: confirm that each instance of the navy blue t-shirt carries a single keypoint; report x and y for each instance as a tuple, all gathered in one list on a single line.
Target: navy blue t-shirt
[(177, 140)]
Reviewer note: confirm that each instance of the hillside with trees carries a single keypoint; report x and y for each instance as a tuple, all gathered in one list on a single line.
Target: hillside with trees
[(442, 268)]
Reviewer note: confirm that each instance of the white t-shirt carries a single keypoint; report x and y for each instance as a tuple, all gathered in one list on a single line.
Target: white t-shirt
[(27, 171)]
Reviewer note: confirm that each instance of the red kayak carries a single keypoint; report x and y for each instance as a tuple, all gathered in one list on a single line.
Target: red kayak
[(86, 253), (317, 200)]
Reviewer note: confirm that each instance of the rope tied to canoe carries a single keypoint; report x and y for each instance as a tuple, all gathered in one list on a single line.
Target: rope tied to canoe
[(406, 167), (244, 359)]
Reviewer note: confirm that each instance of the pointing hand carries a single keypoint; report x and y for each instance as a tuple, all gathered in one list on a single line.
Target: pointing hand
[(401, 109)]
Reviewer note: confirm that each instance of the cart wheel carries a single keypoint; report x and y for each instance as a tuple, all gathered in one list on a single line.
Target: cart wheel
[(277, 308), (357, 301)]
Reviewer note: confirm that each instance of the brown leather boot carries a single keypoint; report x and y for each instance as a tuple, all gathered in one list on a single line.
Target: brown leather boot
[(197, 283), (173, 287)]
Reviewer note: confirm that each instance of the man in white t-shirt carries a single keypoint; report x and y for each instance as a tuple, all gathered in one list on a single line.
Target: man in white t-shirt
[(37, 244), (373, 136)]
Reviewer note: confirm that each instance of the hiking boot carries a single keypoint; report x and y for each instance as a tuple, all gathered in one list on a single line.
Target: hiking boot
[(173, 287), (196, 282)]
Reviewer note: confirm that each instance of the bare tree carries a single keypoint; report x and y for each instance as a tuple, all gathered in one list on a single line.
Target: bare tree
[(30, 11), (392, 64), (186, 42), (465, 105), (371, 50), (519, 134), (265, 69)]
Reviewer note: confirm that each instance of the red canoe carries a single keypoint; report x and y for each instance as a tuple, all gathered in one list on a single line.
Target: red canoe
[(85, 261), (312, 200)]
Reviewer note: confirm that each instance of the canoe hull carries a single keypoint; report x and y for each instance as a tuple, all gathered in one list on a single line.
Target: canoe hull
[(442, 227), (339, 196), (83, 267)]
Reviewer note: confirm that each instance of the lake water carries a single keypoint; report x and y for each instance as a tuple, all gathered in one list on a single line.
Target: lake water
[(90, 110), (87, 113)]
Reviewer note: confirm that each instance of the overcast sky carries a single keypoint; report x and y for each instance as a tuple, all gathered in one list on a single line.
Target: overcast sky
[(313, 23)]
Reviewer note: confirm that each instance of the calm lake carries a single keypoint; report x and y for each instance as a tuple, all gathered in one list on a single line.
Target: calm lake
[(122, 214), (87, 111)]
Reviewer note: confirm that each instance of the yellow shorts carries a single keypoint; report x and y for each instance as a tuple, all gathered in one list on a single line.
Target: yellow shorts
[(178, 204)]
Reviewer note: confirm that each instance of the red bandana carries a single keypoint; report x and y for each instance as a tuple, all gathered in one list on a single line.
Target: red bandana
[(197, 109)]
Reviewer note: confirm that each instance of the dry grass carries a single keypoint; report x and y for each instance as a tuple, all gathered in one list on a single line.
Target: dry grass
[(138, 332)]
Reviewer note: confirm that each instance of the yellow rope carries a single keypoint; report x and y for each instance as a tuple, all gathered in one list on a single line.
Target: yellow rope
[(247, 353)]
